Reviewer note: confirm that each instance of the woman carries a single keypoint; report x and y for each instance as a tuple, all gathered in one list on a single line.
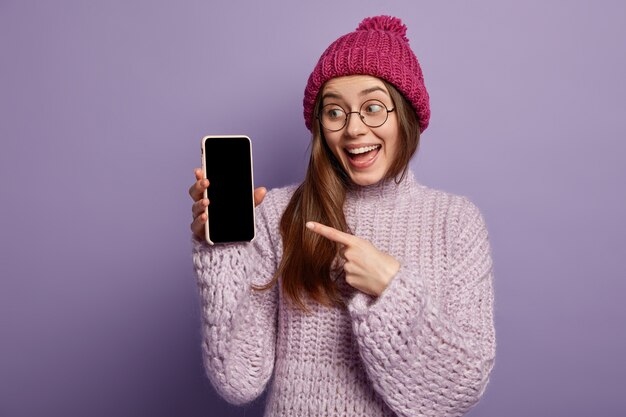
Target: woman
[(364, 293)]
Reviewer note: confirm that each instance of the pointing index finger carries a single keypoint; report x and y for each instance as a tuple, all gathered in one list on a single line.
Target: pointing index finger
[(330, 233)]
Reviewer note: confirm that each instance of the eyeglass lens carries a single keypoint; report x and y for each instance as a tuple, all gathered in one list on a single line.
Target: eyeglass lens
[(373, 113)]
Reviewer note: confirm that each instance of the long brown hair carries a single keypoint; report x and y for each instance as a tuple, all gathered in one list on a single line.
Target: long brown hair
[(307, 260)]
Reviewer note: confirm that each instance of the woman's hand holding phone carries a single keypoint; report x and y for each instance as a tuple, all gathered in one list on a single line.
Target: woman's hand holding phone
[(198, 208)]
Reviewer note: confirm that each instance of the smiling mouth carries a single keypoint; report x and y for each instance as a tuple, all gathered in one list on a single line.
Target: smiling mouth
[(360, 157)]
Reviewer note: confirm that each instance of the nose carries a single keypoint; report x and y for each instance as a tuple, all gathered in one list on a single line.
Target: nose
[(355, 126)]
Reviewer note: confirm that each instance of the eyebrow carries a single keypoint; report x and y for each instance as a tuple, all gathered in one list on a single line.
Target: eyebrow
[(371, 90), (365, 92)]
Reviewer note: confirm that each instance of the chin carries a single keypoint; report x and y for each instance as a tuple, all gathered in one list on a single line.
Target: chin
[(366, 179)]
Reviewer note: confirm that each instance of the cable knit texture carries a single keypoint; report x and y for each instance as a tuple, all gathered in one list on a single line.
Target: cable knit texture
[(424, 347), (378, 47)]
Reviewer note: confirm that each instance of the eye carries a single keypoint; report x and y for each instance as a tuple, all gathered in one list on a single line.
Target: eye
[(373, 108), (334, 113)]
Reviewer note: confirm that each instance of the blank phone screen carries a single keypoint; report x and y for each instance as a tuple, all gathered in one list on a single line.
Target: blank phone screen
[(231, 203)]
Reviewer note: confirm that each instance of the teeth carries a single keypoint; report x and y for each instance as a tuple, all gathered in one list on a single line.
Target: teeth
[(364, 149)]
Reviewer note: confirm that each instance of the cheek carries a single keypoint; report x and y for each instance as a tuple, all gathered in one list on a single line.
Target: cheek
[(394, 144), (391, 152), (333, 144), (392, 141)]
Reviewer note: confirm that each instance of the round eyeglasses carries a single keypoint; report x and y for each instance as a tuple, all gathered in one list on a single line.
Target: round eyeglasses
[(373, 113)]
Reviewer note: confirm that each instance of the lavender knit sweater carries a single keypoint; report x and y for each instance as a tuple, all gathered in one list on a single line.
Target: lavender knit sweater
[(424, 347)]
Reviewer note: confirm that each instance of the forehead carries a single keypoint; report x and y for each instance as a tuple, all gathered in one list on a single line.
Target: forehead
[(353, 85)]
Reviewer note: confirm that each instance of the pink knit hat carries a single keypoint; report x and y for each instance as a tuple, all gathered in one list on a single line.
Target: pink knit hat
[(379, 47)]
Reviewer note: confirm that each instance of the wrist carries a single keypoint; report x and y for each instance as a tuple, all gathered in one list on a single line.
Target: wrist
[(392, 266)]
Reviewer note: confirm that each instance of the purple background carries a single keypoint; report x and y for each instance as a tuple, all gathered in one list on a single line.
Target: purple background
[(102, 107)]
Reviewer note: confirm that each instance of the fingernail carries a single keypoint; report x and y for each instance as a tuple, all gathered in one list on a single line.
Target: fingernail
[(310, 225)]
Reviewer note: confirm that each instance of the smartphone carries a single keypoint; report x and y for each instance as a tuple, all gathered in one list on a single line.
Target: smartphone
[(227, 163)]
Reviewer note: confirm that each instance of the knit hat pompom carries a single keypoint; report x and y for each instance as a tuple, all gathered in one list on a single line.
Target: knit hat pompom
[(378, 47), (386, 23)]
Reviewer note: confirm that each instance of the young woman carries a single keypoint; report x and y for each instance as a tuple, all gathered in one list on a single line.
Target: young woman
[(364, 293)]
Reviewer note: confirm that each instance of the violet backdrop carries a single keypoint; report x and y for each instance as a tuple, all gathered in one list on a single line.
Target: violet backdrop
[(102, 107)]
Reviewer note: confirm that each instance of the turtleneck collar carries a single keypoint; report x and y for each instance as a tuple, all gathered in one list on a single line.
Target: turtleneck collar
[(382, 189)]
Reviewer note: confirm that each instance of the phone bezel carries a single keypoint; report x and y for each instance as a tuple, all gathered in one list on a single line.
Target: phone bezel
[(207, 232)]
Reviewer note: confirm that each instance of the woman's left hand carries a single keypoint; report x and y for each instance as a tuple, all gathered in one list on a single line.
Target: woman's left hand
[(367, 269)]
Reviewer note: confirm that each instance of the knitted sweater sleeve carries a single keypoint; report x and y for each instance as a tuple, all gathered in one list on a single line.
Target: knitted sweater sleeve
[(428, 357), (238, 322)]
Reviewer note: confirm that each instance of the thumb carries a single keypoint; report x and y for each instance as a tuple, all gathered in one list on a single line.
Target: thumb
[(259, 195)]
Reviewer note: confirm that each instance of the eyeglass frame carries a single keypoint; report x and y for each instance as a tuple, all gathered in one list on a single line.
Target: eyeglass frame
[(347, 114)]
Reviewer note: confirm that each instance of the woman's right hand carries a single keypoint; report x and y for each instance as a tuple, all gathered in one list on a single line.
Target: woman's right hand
[(196, 191)]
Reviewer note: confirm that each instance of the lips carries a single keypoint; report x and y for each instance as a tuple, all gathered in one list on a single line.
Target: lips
[(362, 149), (362, 156)]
